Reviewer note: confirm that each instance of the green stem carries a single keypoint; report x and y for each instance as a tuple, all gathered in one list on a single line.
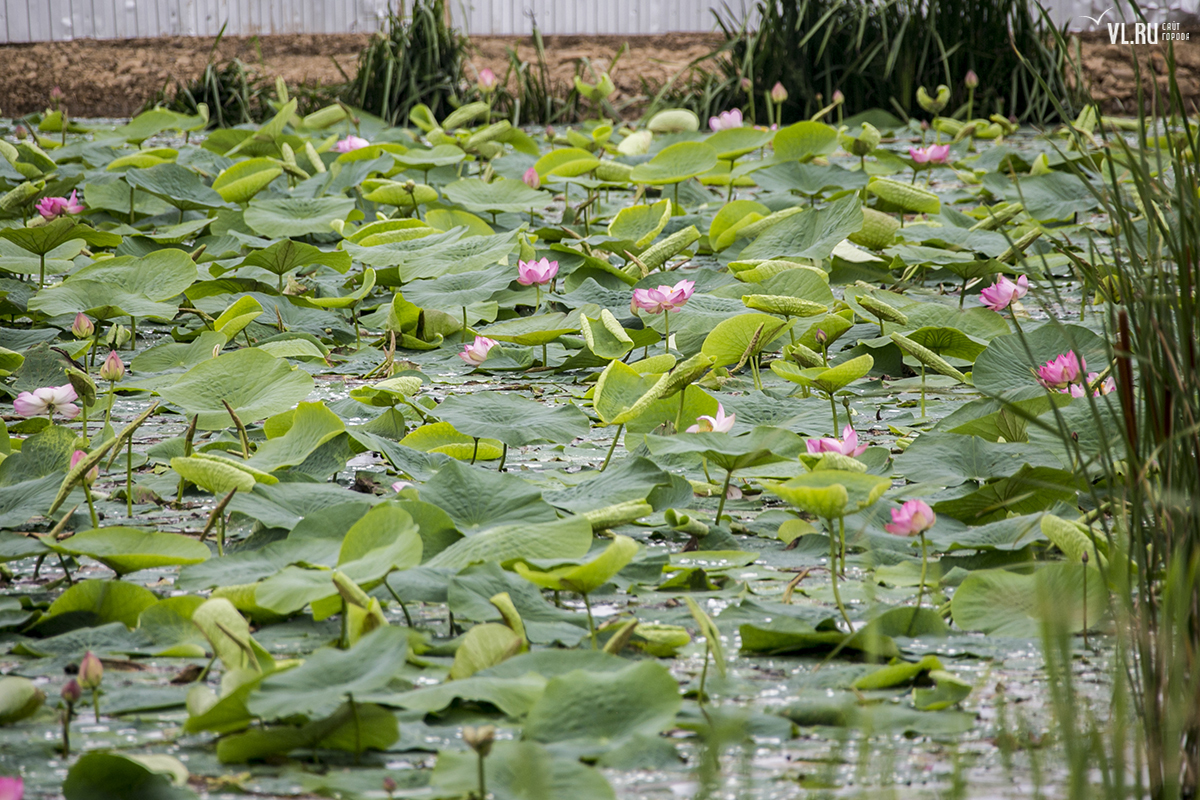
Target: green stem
[(921, 588), (833, 576), (833, 408), (703, 674), (66, 731), (587, 604), (842, 541), (87, 492), (612, 447), (545, 358), (538, 288), (129, 476), (482, 782), (503, 456), (357, 728), (724, 494), (42, 272), (475, 452), (112, 385), (221, 535), (679, 415), (464, 330), (922, 390), (96, 704), (403, 607), (667, 331)]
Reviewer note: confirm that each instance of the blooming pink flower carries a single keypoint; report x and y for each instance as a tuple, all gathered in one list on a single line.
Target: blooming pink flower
[(536, 272), (848, 446), (720, 423), (487, 80), (91, 476), (350, 143), (48, 400), (664, 298), (12, 788), (477, 351), (914, 517), (1062, 371), (532, 179), (1107, 386), (1003, 292), (726, 120), (52, 207), (934, 154)]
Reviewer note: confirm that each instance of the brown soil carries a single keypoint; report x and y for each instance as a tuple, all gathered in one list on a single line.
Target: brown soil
[(1109, 70), (115, 78)]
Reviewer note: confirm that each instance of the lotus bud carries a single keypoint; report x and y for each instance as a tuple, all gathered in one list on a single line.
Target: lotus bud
[(532, 179), (487, 81), (410, 186), (389, 784), (933, 105), (746, 85), (57, 96), (83, 327), (838, 97), (778, 93), (924, 125), (71, 692), (21, 132), (91, 671), (113, 369), (480, 739), (972, 80), (90, 478), (550, 134), (821, 336)]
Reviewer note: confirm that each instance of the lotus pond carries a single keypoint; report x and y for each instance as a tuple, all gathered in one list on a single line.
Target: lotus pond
[(608, 462)]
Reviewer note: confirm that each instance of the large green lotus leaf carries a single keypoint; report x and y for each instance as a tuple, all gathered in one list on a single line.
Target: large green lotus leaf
[(159, 276), (170, 356), (676, 163), (810, 234), (157, 120), (513, 696), (1003, 603), (531, 331), (296, 216), (831, 493), (947, 342), (228, 635), (803, 140), (313, 424), (583, 578), (20, 501), (42, 239), (1027, 491), (640, 223), (388, 230), (94, 603), (255, 384), (287, 255), (46, 453), (605, 707), (950, 459), (14, 258), (729, 341), (178, 185), (605, 336), (484, 646), (401, 195), (478, 499), (19, 699), (284, 505), (444, 155), (519, 771), (511, 419), (293, 588), (322, 682), (98, 299), (169, 624), (347, 300), (470, 594), (114, 196), (1008, 367), (1053, 196), (444, 219), (732, 217), (450, 293), (384, 539), (501, 195), (827, 380), (566, 162), (240, 182), (809, 179), (125, 550), (732, 143), (114, 776), (763, 445), (441, 437), (561, 539), (622, 393), (351, 728), (437, 255)]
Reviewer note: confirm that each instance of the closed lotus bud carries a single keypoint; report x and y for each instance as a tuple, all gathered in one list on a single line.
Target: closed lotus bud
[(83, 326), (821, 336), (113, 369), (410, 185), (972, 80), (838, 97), (480, 739), (746, 84), (21, 132), (389, 784), (778, 93), (532, 179), (90, 478), (91, 671), (71, 692)]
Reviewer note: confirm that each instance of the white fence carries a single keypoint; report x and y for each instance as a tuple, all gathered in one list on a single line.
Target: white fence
[(63, 20)]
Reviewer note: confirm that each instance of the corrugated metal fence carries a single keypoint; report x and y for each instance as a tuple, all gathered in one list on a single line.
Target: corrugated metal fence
[(62, 20)]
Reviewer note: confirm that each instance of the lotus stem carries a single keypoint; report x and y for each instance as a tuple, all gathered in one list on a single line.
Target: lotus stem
[(612, 447), (833, 577), (724, 494), (679, 414), (68, 712), (921, 588), (112, 385), (480, 771), (922, 390), (475, 451), (537, 287), (129, 475), (87, 492), (503, 456), (464, 329), (545, 358), (703, 675), (357, 728), (833, 409), (587, 604), (96, 704), (666, 331), (42, 272), (403, 607)]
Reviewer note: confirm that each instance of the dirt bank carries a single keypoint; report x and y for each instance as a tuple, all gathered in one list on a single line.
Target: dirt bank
[(115, 78)]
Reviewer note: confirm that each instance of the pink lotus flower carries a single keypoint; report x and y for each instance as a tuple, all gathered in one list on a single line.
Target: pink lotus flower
[(487, 80), (838, 97), (12, 788), (848, 446), (400, 486), (726, 120), (532, 179), (52, 207), (83, 327), (1003, 292), (914, 517), (934, 154), (476, 352), (350, 143), (719, 424), (530, 273), (1060, 372), (972, 80), (664, 298), (1107, 386), (113, 368), (48, 400), (778, 92), (91, 476), (71, 692)]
